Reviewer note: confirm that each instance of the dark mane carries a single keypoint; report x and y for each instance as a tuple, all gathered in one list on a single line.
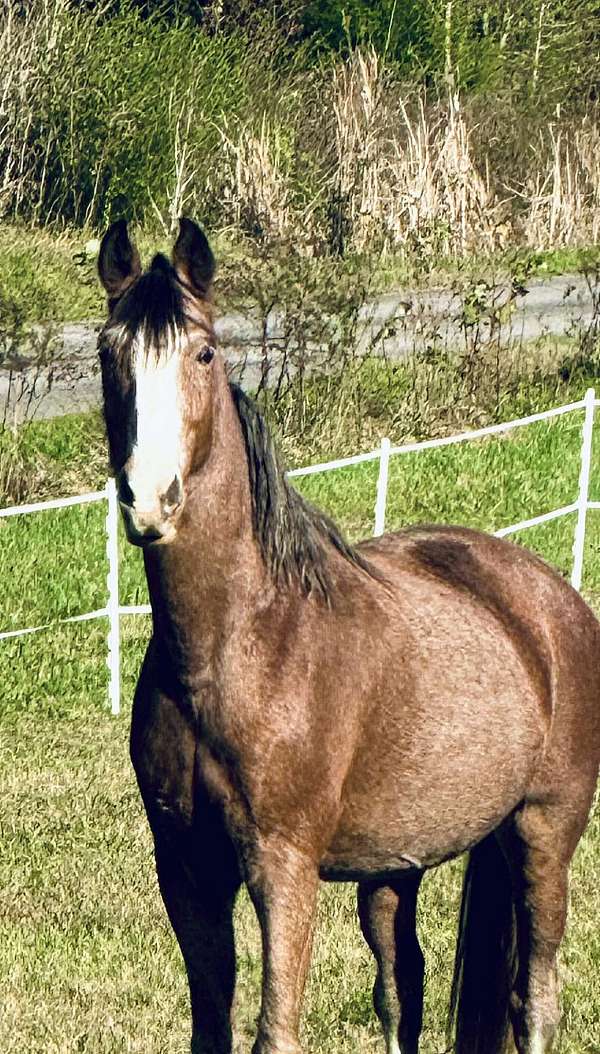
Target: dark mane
[(152, 308), (295, 538)]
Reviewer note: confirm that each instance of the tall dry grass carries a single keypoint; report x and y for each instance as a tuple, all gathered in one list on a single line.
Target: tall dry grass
[(108, 116), (397, 170), (405, 170)]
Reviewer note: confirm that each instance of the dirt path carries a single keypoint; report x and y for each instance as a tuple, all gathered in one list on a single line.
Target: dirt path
[(396, 325)]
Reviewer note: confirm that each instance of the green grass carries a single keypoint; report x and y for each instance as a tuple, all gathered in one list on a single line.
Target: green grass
[(58, 558), (52, 276), (87, 958), (48, 276), (395, 270)]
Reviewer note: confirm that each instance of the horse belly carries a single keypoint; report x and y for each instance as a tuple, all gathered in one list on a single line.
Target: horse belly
[(441, 769)]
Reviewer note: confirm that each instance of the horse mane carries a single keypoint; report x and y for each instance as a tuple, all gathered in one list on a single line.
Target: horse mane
[(295, 538)]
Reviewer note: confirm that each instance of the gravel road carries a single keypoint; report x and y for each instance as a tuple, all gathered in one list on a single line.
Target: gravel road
[(396, 325)]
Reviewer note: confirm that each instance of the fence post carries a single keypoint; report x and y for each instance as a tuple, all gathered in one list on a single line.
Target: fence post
[(584, 483), (112, 551), (382, 482)]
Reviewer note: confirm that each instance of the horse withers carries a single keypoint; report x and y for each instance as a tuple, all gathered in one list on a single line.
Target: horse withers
[(312, 710)]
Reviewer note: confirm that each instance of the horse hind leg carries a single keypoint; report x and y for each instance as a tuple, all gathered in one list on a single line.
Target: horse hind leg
[(539, 845), (387, 916)]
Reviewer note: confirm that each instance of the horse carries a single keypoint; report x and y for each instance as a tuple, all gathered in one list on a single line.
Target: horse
[(312, 710)]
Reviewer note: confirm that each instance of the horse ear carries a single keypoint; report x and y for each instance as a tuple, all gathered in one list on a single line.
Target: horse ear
[(193, 259), (118, 261)]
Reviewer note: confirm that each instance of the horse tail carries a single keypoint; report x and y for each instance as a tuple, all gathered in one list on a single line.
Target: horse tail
[(484, 966)]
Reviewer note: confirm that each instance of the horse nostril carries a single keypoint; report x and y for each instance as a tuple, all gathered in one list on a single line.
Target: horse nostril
[(171, 499), (126, 495)]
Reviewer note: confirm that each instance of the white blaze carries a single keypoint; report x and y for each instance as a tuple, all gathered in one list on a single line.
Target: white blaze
[(157, 455)]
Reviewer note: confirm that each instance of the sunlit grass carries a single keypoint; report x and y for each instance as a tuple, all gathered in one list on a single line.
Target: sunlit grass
[(87, 959)]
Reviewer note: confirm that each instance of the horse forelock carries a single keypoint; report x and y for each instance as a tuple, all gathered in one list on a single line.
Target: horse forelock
[(151, 316)]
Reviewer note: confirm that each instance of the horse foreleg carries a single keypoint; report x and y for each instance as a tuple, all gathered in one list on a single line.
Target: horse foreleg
[(200, 907), (196, 863), (387, 916), (283, 886)]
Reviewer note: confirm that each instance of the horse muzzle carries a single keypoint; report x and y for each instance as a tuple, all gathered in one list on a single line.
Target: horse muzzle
[(154, 522)]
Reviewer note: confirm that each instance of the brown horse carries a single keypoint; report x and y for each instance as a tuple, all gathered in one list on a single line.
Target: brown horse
[(311, 710)]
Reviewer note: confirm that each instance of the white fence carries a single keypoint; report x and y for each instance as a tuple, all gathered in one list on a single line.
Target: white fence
[(114, 610)]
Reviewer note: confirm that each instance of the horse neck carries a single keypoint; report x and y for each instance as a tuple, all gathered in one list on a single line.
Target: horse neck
[(212, 573)]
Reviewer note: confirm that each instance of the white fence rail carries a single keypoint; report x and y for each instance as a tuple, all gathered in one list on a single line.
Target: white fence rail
[(114, 610)]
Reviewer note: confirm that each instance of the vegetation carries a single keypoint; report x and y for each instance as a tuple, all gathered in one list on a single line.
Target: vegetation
[(45, 276), (427, 129), (88, 959)]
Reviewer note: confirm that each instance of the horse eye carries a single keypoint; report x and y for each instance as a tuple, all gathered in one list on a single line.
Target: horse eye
[(206, 355)]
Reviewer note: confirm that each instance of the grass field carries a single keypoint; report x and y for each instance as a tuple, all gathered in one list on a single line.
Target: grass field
[(87, 958)]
